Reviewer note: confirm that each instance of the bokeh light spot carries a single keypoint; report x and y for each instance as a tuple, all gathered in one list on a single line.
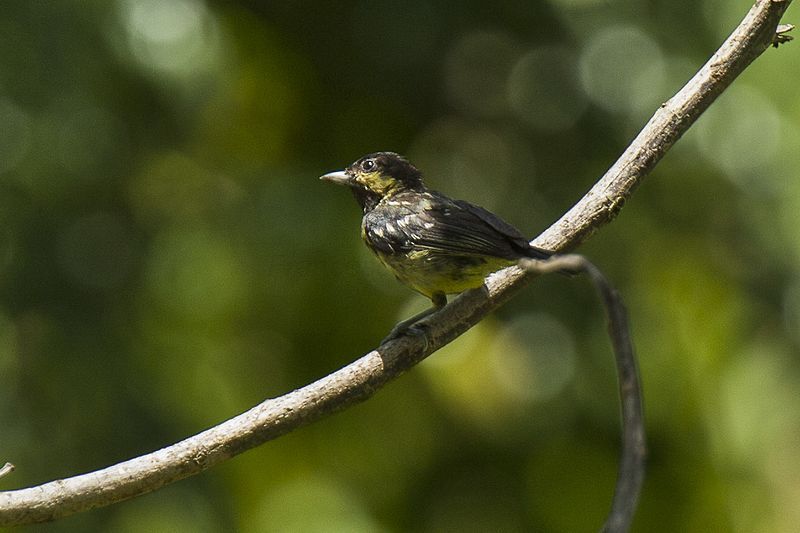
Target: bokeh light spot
[(179, 37), (741, 134), (475, 72), (535, 357), (544, 90), (722, 16), (495, 372), (757, 404), (467, 161), (286, 508), (459, 380), (622, 68)]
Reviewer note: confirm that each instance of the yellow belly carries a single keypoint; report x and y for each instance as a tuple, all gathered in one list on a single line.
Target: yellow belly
[(429, 273)]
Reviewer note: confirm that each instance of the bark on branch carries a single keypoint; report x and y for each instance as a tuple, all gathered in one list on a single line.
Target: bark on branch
[(362, 378)]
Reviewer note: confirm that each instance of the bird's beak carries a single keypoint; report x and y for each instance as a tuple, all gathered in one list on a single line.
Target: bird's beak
[(339, 177)]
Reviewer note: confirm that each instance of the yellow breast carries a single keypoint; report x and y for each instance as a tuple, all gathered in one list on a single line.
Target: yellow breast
[(428, 272)]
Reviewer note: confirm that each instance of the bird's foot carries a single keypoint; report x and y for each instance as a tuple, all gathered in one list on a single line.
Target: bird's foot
[(407, 328), (414, 326)]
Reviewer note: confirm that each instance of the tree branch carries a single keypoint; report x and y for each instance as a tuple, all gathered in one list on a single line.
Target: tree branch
[(602, 203), (362, 378)]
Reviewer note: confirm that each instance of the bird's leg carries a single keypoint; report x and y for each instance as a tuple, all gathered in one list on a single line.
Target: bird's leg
[(410, 325)]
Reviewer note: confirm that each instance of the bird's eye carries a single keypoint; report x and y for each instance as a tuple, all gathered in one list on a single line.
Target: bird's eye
[(368, 165)]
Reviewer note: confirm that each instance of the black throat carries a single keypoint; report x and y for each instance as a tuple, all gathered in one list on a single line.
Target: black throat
[(366, 199)]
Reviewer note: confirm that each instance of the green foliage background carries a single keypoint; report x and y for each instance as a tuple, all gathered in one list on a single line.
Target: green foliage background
[(168, 259)]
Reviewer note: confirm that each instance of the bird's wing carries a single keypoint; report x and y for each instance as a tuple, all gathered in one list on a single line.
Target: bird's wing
[(458, 227), (516, 239)]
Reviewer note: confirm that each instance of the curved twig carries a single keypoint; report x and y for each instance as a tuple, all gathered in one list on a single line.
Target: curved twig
[(634, 449), (362, 378)]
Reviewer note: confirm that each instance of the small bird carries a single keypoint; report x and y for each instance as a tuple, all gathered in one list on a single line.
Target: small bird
[(432, 243)]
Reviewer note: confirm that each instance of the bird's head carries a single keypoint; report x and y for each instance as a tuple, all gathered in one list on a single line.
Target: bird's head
[(376, 176)]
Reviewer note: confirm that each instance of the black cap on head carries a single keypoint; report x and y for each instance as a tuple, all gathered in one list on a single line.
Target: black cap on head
[(389, 164)]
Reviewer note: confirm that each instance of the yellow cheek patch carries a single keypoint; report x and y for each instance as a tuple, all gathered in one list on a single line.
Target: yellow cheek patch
[(376, 182)]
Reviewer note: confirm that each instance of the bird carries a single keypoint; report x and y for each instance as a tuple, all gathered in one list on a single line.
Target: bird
[(434, 244)]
